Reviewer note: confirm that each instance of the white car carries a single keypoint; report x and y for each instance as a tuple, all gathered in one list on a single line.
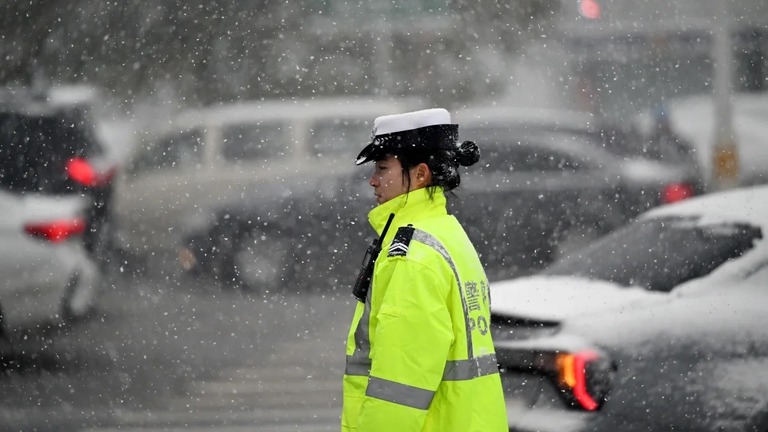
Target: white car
[(222, 154), (657, 326), (46, 276), (664, 248)]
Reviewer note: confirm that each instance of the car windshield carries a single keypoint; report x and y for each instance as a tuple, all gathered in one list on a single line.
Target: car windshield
[(659, 254)]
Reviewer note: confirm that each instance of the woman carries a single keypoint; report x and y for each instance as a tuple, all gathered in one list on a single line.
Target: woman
[(419, 352)]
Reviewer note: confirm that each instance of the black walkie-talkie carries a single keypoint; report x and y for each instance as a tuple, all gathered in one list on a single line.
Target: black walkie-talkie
[(363, 282)]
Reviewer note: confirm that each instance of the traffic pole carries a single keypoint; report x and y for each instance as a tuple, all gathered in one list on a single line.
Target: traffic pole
[(725, 154)]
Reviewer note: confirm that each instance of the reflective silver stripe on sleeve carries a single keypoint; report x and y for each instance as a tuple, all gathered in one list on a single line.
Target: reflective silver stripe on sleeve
[(357, 366), (429, 240), (462, 370), (359, 363), (362, 341), (400, 394), (455, 370)]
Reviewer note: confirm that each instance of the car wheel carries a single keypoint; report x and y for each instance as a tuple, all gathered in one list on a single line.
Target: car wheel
[(79, 300), (258, 264)]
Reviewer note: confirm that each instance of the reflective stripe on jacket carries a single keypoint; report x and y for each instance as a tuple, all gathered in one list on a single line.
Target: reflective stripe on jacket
[(419, 352)]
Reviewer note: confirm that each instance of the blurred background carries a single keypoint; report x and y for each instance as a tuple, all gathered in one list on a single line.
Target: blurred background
[(611, 58), (193, 268)]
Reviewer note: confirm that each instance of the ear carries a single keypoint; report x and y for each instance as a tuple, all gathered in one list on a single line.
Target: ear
[(421, 176)]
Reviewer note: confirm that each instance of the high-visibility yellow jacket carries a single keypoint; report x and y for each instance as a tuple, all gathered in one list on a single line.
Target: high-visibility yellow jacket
[(419, 352)]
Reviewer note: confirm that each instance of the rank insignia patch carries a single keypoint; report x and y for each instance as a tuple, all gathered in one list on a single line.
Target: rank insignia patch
[(399, 246)]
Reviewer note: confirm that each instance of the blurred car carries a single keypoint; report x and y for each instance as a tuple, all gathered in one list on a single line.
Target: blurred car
[(656, 326), (45, 272), (532, 186), (653, 171), (49, 145), (692, 119), (285, 237), (232, 154)]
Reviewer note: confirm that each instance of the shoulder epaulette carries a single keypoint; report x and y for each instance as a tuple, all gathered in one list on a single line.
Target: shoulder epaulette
[(400, 242)]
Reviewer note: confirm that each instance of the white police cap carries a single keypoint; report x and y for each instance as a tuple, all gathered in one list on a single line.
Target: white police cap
[(429, 129)]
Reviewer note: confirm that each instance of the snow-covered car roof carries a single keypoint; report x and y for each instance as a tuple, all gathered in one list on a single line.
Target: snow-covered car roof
[(271, 110)]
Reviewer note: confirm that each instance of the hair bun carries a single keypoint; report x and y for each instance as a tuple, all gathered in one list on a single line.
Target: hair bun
[(468, 154)]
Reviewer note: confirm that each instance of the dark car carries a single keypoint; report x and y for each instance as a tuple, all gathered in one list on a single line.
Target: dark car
[(655, 168), (532, 188), (53, 148), (658, 169), (656, 326), (307, 235)]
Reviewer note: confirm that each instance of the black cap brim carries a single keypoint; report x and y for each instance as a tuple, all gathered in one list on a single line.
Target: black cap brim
[(429, 138), (367, 154)]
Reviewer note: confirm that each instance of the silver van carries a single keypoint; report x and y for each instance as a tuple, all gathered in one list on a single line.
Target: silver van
[(207, 157)]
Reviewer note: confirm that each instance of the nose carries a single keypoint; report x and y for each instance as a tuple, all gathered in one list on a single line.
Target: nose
[(373, 180)]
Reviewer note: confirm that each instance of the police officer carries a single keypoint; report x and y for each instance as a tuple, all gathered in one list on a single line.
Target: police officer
[(419, 351)]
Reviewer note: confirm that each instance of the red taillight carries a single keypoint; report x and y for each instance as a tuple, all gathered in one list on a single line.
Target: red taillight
[(589, 9), (585, 376), (56, 231), (676, 192), (83, 172)]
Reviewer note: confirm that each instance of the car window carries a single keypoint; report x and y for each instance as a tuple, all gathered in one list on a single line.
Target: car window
[(659, 254), (535, 149), (660, 146), (35, 148), (525, 156), (255, 141), (339, 137), (177, 151)]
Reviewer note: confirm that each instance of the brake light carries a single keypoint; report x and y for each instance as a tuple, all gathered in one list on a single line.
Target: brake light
[(585, 377), (56, 231), (676, 192), (589, 9), (83, 172)]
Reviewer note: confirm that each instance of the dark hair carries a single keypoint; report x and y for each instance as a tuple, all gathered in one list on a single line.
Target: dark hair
[(444, 164)]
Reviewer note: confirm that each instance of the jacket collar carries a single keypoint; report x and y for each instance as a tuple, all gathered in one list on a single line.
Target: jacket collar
[(408, 208)]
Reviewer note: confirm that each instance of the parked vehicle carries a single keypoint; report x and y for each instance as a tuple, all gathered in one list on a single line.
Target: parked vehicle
[(532, 189), (692, 118), (49, 145), (653, 172), (533, 186), (46, 274), (234, 154), (656, 326)]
